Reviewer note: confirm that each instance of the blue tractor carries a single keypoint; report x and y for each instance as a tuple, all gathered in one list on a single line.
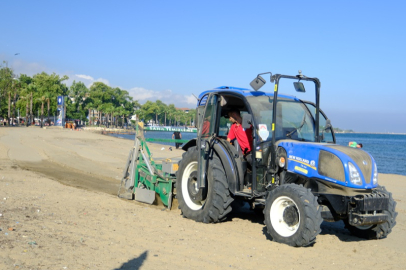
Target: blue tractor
[(295, 172)]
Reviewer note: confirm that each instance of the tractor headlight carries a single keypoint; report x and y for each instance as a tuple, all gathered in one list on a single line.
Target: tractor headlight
[(355, 177), (282, 161), (375, 179)]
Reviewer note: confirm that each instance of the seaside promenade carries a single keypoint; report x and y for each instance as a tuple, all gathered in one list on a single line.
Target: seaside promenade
[(59, 210)]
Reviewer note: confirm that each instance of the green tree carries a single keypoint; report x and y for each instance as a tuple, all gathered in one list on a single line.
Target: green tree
[(171, 113), (100, 94), (49, 86), (31, 89), (79, 93), (25, 96), (150, 110), (25, 99), (42, 101), (192, 116), (90, 107), (6, 88)]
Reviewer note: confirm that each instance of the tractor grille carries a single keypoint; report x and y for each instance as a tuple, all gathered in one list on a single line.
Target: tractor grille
[(331, 166), (360, 157)]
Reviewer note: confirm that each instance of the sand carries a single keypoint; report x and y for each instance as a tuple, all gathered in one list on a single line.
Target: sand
[(59, 210)]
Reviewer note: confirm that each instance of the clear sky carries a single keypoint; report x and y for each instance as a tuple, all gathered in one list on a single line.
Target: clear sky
[(168, 50)]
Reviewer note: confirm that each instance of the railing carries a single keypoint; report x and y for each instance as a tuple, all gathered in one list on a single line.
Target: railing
[(181, 129)]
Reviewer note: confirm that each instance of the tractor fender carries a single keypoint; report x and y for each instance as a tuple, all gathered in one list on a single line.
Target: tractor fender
[(232, 165), (189, 144), (231, 162)]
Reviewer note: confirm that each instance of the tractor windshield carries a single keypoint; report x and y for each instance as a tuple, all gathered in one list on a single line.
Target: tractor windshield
[(293, 119)]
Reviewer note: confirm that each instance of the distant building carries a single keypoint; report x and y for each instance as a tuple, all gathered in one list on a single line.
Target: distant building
[(186, 110)]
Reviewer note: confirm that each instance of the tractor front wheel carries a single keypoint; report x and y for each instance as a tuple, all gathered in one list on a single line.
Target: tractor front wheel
[(292, 215)]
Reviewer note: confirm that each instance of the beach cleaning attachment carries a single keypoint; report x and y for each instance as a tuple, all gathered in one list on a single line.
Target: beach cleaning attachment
[(143, 179)]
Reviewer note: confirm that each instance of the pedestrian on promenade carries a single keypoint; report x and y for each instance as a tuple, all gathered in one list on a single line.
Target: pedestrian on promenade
[(177, 135)]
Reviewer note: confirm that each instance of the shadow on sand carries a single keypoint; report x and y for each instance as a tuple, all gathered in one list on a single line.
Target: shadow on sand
[(135, 263)]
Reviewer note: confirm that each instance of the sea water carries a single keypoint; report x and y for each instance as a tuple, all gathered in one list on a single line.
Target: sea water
[(388, 150)]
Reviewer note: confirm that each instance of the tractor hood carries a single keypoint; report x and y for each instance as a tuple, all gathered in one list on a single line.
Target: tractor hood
[(346, 166)]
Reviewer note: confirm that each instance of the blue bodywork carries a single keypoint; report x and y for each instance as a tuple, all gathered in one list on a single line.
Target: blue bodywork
[(303, 159)]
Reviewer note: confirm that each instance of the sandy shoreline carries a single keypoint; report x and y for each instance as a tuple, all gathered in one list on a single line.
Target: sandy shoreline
[(58, 198)]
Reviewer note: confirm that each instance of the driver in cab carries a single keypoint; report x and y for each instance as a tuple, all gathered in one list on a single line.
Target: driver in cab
[(243, 136)]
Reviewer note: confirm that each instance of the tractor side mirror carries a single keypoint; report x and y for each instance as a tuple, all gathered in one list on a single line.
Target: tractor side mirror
[(326, 127), (299, 87), (246, 121), (328, 124), (257, 83)]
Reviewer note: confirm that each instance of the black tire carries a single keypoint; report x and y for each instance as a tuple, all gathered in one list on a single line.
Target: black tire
[(292, 215), (378, 231), (210, 205)]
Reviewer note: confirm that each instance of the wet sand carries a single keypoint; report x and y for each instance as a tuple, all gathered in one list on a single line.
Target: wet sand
[(58, 198)]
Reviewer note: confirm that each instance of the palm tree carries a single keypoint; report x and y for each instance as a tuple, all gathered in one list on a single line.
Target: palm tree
[(6, 82), (89, 106), (31, 89), (155, 108), (141, 114), (47, 97), (192, 115), (109, 110), (100, 108), (121, 112), (27, 98), (14, 90), (171, 113), (166, 111), (116, 112), (42, 100)]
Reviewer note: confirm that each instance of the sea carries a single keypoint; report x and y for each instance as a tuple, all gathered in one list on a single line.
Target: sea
[(388, 150)]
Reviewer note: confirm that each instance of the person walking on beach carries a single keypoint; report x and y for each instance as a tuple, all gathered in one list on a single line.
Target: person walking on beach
[(178, 136)]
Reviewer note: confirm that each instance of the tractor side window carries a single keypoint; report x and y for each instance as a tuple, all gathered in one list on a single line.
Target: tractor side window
[(209, 119), (224, 126), (199, 116), (327, 133), (229, 103), (261, 107)]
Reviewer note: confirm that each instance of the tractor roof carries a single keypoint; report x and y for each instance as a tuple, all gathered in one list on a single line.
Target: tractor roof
[(244, 91)]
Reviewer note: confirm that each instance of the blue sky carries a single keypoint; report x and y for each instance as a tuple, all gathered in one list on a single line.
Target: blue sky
[(168, 50)]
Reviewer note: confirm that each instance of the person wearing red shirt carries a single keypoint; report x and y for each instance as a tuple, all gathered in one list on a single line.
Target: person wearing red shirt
[(243, 136)]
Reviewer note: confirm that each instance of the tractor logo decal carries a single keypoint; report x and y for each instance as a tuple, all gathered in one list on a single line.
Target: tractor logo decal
[(312, 163), (303, 161)]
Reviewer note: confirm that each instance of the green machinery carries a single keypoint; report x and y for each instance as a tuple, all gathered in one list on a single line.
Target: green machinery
[(143, 179)]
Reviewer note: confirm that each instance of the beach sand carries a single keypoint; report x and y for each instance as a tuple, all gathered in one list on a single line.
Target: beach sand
[(59, 210)]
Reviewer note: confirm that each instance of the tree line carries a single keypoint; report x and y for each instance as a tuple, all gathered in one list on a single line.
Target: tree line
[(27, 97)]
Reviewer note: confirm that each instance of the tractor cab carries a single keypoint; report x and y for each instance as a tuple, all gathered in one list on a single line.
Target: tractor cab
[(294, 120)]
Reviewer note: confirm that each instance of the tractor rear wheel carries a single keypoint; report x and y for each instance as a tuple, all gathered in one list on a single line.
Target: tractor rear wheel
[(210, 204), (377, 231), (292, 215)]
